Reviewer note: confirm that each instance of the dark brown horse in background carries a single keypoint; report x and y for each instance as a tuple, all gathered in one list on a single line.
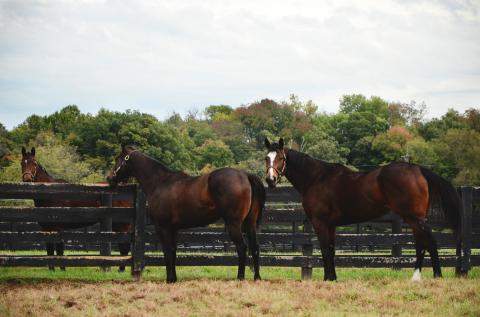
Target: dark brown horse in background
[(32, 171), (177, 201), (333, 195)]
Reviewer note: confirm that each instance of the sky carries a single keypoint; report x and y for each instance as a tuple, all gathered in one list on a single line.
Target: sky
[(162, 57)]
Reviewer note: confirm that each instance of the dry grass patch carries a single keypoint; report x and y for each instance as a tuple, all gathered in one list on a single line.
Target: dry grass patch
[(376, 296)]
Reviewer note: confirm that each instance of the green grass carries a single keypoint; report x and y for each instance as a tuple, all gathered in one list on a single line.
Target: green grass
[(33, 275)]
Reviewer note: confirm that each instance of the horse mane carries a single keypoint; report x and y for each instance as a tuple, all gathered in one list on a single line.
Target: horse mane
[(317, 169), (157, 163), (302, 159)]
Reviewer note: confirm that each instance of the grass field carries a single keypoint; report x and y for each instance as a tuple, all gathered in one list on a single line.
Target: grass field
[(213, 291)]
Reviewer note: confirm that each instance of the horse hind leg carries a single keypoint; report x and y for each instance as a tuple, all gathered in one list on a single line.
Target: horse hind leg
[(424, 240), (235, 232), (254, 250), (50, 252)]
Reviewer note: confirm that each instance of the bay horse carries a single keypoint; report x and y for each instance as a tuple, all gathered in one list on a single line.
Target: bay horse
[(32, 171), (177, 200), (333, 195)]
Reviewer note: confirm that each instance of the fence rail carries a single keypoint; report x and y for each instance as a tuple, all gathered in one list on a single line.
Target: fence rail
[(284, 222)]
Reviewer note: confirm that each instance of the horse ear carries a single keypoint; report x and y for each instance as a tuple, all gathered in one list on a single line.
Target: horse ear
[(32, 151), (24, 151), (280, 142), (267, 143)]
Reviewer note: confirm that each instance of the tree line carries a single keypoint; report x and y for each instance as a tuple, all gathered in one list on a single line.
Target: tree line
[(364, 133)]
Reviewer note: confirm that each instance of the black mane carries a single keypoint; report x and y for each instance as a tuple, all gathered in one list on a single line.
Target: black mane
[(157, 163)]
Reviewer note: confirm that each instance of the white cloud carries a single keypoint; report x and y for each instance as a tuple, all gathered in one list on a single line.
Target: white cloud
[(165, 56)]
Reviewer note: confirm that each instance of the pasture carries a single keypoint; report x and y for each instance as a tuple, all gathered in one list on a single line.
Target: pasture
[(203, 291), (206, 286)]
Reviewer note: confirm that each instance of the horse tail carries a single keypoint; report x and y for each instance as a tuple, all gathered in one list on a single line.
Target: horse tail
[(441, 189), (258, 198), (254, 218)]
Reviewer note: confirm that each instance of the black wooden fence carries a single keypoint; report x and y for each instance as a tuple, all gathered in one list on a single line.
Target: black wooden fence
[(285, 231)]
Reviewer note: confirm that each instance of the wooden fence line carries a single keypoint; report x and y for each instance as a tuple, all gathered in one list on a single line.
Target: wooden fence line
[(140, 237)]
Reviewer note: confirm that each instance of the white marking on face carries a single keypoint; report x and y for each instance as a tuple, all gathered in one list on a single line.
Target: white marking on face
[(271, 156), (417, 276)]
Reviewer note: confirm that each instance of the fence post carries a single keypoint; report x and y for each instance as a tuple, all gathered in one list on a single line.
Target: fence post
[(466, 223), (138, 249), (106, 225), (307, 249), (396, 248)]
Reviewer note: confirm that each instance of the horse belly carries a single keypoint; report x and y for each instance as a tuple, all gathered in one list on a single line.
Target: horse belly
[(197, 217), (359, 214)]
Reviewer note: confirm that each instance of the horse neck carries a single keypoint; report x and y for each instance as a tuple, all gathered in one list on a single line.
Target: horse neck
[(301, 170), (43, 177), (150, 173)]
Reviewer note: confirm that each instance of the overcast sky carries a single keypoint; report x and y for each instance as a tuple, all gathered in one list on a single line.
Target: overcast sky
[(165, 56)]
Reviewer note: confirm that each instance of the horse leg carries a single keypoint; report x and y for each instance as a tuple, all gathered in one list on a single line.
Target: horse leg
[(235, 233), (60, 247), (254, 249), (124, 249), (167, 238), (424, 240), (326, 237), (51, 252)]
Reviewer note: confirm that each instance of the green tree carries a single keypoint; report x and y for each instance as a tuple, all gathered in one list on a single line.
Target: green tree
[(218, 112), (436, 128), (472, 117), (278, 119), (26, 131), (358, 103), (421, 152), (214, 153), (4, 145), (458, 151), (322, 146), (392, 144), (404, 114)]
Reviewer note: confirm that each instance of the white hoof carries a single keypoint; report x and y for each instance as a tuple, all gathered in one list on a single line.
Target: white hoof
[(417, 276)]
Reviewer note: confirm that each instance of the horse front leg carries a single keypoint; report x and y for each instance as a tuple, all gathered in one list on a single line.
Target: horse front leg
[(169, 245), (326, 237)]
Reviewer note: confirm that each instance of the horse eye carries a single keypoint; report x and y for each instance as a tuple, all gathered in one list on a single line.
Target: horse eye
[(266, 158)]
